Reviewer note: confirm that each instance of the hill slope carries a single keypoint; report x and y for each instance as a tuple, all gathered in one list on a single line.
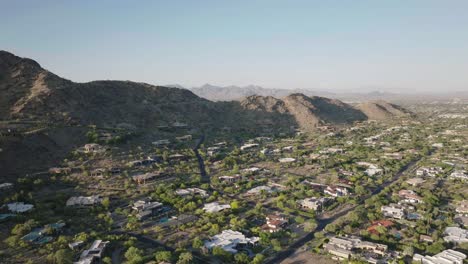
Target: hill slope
[(308, 112), (28, 91), (381, 110), (228, 93)]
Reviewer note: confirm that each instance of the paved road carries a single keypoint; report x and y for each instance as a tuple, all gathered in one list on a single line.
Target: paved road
[(321, 223), (201, 162)]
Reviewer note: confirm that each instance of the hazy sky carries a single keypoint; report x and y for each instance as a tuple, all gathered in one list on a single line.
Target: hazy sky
[(328, 45)]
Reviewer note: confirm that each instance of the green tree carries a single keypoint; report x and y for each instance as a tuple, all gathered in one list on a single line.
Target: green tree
[(63, 256), (134, 255), (241, 258), (258, 259), (163, 256), (197, 243), (185, 258)]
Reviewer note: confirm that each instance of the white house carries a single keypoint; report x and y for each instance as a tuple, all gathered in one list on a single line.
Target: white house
[(230, 241), (456, 235), (393, 211), (19, 207), (215, 207)]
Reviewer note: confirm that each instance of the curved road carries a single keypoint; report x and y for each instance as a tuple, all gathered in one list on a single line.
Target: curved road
[(321, 223)]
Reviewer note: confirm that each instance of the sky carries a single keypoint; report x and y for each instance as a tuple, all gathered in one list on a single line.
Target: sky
[(395, 46)]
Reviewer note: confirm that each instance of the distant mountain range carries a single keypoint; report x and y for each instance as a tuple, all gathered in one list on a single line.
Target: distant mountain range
[(29, 92), (228, 93)]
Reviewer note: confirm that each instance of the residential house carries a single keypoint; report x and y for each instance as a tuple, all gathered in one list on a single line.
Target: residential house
[(459, 174), (313, 203), (97, 173), (415, 181), (231, 241), (215, 207), (373, 229), (429, 171), (185, 138), (336, 191), (147, 208), (275, 223), (161, 142), (410, 196), (456, 235), (19, 207), (393, 210), (211, 151), (94, 253), (191, 191), (249, 146), (93, 148), (146, 177), (258, 190), (84, 200), (426, 238), (448, 256), (462, 208), (231, 179), (346, 247), (288, 149), (287, 160)]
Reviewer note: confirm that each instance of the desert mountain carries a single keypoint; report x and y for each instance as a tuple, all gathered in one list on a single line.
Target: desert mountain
[(30, 93), (380, 110), (308, 112), (229, 93)]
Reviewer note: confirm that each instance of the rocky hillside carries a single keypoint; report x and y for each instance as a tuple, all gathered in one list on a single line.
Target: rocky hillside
[(229, 93), (381, 110), (31, 92), (308, 112)]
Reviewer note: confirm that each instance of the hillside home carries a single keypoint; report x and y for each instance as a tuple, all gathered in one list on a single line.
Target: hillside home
[(19, 207), (147, 208), (429, 171), (287, 160), (211, 151), (313, 203), (231, 179), (459, 174), (415, 181), (94, 253), (462, 208), (248, 147), (215, 207), (84, 200), (448, 256), (258, 190), (410, 196), (161, 142), (373, 229), (336, 191), (275, 223), (185, 138), (346, 247), (97, 173), (231, 241), (456, 235), (93, 148), (393, 210), (191, 191), (146, 177)]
